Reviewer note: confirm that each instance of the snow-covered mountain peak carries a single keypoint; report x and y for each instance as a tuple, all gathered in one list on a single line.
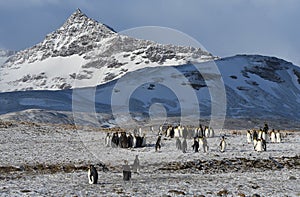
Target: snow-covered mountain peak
[(90, 52), (78, 35), (78, 23)]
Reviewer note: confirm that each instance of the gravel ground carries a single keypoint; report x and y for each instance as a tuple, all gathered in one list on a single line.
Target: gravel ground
[(48, 160)]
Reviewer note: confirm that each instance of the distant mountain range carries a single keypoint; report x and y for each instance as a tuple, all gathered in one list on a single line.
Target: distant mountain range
[(94, 55)]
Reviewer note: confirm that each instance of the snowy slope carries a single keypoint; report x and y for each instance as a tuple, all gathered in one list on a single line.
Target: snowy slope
[(90, 52), (261, 86), (257, 87)]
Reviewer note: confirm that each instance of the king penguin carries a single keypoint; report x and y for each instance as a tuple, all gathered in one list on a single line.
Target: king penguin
[(92, 175), (259, 146), (223, 144), (249, 137), (273, 136), (278, 137)]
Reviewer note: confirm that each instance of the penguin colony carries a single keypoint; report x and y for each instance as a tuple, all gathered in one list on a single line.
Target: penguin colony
[(137, 138), (180, 133), (125, 140), (262, 136)]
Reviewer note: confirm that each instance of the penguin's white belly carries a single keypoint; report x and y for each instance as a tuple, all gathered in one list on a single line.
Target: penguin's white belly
[(91, 178), (201, 142), (263, 136), (273, 138), (206, 133), (223, 146), (212, 133), (168, 132), (278, 137), (248, 138), (180, 132), (134, 142), (176, 133), (107, 141), (259, 146)]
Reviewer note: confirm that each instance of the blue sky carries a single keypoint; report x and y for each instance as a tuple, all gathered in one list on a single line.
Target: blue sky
[(225, 28)]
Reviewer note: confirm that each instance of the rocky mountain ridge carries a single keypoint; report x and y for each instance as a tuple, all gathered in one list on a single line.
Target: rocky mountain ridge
[(90, 52)]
